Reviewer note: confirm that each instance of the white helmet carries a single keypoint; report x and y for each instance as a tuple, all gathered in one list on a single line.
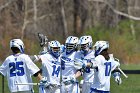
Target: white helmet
[(71, 44), (85, 43), (17, 43), (100, 46), (54, 48)]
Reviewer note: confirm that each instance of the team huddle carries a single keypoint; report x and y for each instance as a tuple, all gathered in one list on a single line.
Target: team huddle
[(62, 67)]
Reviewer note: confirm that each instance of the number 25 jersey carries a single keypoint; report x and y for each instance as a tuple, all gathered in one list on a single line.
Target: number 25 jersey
[(18, 69)]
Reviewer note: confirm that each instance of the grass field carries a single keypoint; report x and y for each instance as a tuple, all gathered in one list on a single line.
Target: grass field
[(130, 85)]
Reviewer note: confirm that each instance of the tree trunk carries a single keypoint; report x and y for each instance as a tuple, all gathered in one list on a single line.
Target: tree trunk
[(77, 19), (64, 19)]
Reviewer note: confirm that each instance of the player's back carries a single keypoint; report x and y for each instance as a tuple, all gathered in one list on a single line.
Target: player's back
[(103, 73), (19, 70)]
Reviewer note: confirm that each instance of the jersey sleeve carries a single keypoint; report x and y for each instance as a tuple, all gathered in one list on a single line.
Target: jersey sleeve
[(115, 64), (98, 60), (32, 68), (4, 67)]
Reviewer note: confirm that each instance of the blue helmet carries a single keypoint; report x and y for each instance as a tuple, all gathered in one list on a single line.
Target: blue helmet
[(85, 43), (54, 48), (71, 44), (100, 46), (17, 43)]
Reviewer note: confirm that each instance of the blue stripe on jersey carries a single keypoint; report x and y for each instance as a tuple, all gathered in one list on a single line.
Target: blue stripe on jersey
[(98, 91), (42, 88), (77, 87)]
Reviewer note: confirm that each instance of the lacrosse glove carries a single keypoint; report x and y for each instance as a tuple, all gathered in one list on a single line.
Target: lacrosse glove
[(69, 80), (117, 77), (79, 64), (44, 82)]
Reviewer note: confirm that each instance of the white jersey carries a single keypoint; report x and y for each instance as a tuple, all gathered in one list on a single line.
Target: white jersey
[(51, 68), (18, 69), (88, 74), (68, 69), (101, 81)]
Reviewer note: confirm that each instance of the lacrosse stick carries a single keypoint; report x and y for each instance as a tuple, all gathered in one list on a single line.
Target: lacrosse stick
[(37, 84), (51, 86), (120, 69), (43, 40), (28, 84), (122, 73)]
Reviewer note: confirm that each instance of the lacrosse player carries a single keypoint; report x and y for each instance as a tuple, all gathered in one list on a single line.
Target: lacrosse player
[(18, 68), (85, 55), (104, 63), (68, 69), (51, 67)]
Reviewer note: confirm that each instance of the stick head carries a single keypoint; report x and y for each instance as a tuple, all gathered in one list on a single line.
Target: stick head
[(42, 39)]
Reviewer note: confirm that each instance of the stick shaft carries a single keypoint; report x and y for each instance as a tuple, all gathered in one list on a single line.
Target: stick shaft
[(27, 84), (123, 73)]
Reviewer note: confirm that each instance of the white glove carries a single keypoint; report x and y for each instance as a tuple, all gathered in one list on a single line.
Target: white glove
[(44, 82), (117, 77), (68, 80), (118, 62), (79, 64)]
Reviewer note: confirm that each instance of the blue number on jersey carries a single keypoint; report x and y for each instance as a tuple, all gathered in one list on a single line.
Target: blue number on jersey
[(16, 69), (63, 65), (107, 68), (56, 70), (87, 70)]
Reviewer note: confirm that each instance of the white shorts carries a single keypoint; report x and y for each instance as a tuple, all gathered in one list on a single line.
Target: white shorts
[(86, 87), (50, 90), (72, 88)]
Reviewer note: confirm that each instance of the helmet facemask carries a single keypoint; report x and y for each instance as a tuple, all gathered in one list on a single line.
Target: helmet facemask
[(84, 48), (71, 44), (55, 51), (54, 48), (70, 48), (85, 43)]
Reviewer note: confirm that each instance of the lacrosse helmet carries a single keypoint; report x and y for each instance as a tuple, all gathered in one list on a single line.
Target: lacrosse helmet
[(85, 43), (100, 46), (54, 48), (18, 44), (71, 44)]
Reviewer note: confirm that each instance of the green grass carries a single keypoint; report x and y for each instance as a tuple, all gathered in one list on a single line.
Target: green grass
[(130, 66), (129, 85)]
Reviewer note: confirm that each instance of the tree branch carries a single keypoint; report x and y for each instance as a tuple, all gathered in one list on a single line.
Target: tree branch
[(6, 4), (116, 11)]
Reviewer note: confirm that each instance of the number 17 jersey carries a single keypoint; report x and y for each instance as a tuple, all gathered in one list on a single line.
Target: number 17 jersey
[(102, 75)]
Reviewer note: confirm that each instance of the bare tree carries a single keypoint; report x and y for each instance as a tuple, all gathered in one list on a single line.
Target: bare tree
[(64, 19)]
